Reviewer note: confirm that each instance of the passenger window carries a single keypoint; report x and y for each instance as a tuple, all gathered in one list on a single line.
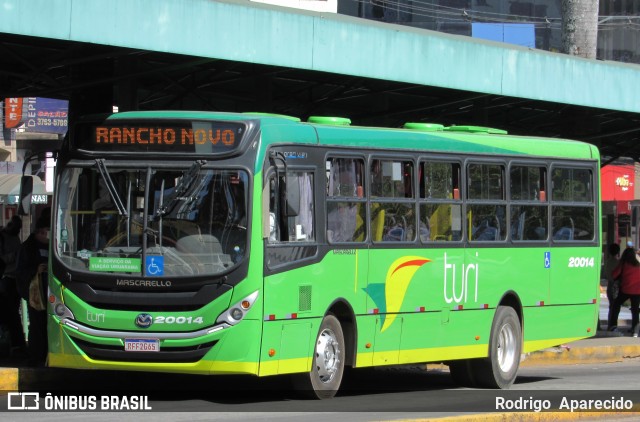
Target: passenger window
[(486, 212), (571, 185), (529, 210), (440, 218), (346, 206), (486, 181), (574, 218), (393, 215), (440, 222), (345, 177), (391, 179), (439, 180), (573, 223), (527, 183), (529, 222), (487, 222)]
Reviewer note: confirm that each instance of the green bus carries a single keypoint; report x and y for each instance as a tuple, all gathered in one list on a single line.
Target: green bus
[(249, 243)]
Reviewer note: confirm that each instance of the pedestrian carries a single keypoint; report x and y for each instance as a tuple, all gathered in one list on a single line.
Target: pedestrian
[(628, 269), (610, 263), (10, 299), (32, 259)]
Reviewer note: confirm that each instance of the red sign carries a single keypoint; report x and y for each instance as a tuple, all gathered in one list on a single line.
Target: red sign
[(12, 112), (618, 183)]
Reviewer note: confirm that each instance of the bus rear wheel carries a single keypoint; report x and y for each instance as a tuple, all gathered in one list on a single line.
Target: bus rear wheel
[(499, 370), (327, 368)]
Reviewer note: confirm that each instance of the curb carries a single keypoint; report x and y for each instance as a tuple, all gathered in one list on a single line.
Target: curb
[(9, 379), (534, 417), (568, 355)]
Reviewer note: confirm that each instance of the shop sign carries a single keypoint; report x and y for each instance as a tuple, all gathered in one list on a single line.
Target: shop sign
[(36, 199), (12, 112)]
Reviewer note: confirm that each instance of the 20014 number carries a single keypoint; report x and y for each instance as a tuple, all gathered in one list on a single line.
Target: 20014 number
[(581, 262), (177, 320)]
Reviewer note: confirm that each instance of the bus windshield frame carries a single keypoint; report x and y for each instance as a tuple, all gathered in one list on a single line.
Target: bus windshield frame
[(151, 220)]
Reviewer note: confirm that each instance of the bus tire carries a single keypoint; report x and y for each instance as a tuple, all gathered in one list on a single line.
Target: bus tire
[(462, 372), (327, 367), (500, 369)]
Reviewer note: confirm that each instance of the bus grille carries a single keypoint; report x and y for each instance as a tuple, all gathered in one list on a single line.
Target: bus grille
[(187, 354), (304, 298)]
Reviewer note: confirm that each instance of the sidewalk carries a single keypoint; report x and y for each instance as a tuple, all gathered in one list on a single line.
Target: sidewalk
[(603, 347)]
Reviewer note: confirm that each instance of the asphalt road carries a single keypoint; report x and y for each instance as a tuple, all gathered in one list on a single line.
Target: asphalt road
[(378, 394)]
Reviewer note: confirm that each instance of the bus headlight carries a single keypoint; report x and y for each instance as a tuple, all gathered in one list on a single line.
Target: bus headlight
[(238, 310), (236, 314), (59, 308)]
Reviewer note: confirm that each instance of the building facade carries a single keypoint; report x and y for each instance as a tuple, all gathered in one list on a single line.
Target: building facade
[(534, 23)]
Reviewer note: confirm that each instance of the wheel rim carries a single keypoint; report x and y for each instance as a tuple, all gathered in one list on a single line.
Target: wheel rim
[(327, 355), (506, 348)]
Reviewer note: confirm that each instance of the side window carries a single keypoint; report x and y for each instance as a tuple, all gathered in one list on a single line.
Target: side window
[(393, 215), (529, 210), (571, 185), (440, 217), (291, 207), (486, 209), (486, 181), (573, 209), (346, 205)]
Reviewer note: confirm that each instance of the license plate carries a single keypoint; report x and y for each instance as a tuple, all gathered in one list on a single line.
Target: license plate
[(141, 345)]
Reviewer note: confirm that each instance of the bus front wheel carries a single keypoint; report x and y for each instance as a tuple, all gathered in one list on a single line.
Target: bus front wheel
[(499, 370), (327, 366)]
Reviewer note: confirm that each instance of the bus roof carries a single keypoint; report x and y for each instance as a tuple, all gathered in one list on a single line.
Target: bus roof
[(470, 139)]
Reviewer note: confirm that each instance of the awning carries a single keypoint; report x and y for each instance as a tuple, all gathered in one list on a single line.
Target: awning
[(10, 189)]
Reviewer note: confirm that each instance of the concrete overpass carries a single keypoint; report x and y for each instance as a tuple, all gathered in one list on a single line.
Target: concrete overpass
[(243, 56)]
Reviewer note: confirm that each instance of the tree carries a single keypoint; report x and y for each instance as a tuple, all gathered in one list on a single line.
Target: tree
[(580, 27)]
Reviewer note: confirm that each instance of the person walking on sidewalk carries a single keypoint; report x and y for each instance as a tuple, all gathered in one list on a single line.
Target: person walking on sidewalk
[(10, 304), (32, 260), (628, 269), (610, 264)]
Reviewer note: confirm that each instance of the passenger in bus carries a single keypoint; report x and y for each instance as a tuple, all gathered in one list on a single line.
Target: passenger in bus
[(103, 227), (628, 269), (32, 259), (341, 222), (484, 231), (104, 199), (425, 230)]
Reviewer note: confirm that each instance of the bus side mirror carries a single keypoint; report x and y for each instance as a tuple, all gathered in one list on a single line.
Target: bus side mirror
[(26, 189), (291, 197)]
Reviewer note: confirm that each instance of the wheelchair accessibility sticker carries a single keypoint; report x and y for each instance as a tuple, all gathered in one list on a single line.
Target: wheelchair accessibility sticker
[(547, 259), (155, 265)]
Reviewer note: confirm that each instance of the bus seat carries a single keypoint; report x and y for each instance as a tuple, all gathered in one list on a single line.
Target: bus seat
[(199, 244), (360, 229), (394, 234), (487, 233), (377, 226)]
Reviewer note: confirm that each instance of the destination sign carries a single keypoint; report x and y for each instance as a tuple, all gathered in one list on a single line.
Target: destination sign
[(196, 137)]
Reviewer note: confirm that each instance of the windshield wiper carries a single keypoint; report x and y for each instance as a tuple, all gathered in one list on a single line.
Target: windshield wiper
[(183, 185), (102, 168)]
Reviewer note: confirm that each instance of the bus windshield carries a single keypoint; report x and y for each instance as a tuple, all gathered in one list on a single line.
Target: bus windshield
[(151, 221)]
